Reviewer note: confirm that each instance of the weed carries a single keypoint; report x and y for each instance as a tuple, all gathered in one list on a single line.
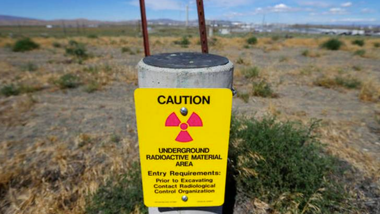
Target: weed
[(262, 89), (77, 50), (369, 92), (348, 82), (13, 90), (243, 96), (30, 66), (252, 40), (240, 61), (246, 46), (119, 195), (57, 45), (308, 53), (126, 50), (376, 45), (184, 42), (358, 42), (332, 44), (25, 44), (360, 53), (281, 164), (115, 138), (68, 81), (92, 86), (10, 90), (251, 72)]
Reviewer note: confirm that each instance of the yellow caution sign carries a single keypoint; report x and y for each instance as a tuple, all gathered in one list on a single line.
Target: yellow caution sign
[(183, 139)]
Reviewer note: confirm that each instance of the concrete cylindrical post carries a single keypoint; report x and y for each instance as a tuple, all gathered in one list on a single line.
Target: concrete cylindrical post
[(185, 70)]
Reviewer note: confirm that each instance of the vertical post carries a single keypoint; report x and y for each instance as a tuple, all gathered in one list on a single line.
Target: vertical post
[(163, 76), (144, 26), (202, 26)]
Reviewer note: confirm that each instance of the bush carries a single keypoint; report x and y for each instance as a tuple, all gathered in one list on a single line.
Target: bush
[(348, 82), (10, 90), (25, 44), (252, 40), (184, 42), (120, 195), (77, 50), (358, 42), (251, 72), (57, 44), (281, 163), (360, 53), (68, 81), (332, 44), (376, 45), (262, 89)]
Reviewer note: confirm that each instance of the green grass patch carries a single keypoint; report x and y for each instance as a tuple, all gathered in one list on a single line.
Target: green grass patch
[(68, 81), (332, 44), (251, 72), (25, 44), (17, 89), (120, 195), (262, 89), (282, 164), (252, 40), (360, 53), (184, 42), (77, 50), (358, 42)]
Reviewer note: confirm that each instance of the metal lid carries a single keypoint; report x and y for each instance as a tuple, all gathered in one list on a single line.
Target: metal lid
[(185, 60)]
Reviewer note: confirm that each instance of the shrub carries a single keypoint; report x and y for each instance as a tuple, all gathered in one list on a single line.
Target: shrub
[(332, 44), (25, 44), (68, 81), (358, 42), (275, 38), (10, 90), (348, 82), (77, 50), (184, 42), (360, 53), (125, 49), (262, 89), (92, 86), (281, 163), (376, 45), (305, 53), (122, 194), (57, 44), (252, 40), (251, 72)]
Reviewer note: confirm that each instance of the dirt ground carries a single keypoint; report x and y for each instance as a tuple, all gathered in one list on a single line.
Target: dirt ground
[(57, 145)]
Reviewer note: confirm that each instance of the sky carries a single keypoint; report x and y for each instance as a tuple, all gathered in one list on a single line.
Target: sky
[(252, 11)]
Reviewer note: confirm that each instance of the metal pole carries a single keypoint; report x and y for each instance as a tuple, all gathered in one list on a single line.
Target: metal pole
[(144, 26), (202, 26)]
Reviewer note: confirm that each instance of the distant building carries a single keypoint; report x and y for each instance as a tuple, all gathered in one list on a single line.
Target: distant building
[(49, 26), (224, 31)]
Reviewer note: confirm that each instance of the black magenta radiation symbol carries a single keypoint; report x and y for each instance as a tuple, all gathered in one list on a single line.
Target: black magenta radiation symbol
[(184, 136)]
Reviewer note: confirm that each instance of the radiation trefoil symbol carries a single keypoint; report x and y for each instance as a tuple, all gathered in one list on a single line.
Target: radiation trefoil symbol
[(184, 136)]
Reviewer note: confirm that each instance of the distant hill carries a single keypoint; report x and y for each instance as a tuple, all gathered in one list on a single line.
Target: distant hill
[(15, 20)]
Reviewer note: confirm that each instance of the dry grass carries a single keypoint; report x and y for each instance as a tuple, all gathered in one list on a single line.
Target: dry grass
[(53, 177), (370, 91)]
